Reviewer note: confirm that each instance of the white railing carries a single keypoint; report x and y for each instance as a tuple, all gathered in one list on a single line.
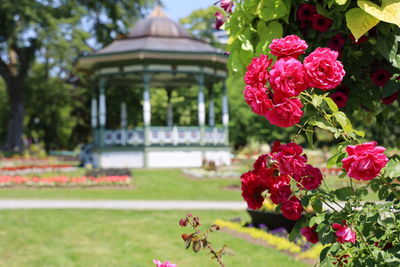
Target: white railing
[(165, 136)]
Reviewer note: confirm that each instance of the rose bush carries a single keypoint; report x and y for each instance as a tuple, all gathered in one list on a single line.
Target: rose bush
[(332, 54)]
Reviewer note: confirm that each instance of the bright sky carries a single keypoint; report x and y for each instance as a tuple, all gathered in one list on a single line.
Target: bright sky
[(177, 9)]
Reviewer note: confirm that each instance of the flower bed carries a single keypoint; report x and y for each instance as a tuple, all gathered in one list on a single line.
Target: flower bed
[(20, 170), (63, 181), (278, 242)]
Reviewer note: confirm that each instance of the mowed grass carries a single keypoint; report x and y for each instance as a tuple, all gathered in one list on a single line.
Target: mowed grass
[(159, 184), (118, 238)]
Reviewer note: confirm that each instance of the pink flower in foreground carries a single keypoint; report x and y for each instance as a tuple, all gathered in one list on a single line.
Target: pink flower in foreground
[(257, 72), (339, 98), (365, 161), (257, 99), (310, 234), (290, 160), (219, 20), (344, 234), (286, 113), (288, 78), (289, 46), (308, 178), (323, 69), (163, 264), (226, 5), (292, 209)]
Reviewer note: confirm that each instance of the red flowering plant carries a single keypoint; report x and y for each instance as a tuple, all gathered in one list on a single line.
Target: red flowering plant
[(301, 62)]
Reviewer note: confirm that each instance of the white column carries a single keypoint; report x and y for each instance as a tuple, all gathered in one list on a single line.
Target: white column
[(123, 123), (102, 109), (146, 110), (225, 112), (94, 113), (200, 100), (211, 112)]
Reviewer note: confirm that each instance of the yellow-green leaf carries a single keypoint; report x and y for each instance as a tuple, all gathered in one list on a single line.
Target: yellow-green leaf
[(388, 12), (359, 22), (340, 2)]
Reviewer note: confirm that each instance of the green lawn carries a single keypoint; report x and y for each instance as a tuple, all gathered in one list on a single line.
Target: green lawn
[(160, 184), (118, 238)]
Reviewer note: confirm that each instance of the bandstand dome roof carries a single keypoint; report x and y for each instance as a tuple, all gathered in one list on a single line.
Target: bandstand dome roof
[(156, 39)]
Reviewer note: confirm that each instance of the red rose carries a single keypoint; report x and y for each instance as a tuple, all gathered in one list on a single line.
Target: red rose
[(323, 69), (309, 178), (365, 161), (289, 46), (310, 234), (285, 114), (252, 189), (344, 234), (290, 160), (292, 209), (280, 194)]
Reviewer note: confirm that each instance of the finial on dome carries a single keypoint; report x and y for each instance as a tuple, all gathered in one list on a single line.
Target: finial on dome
[(158, 12)]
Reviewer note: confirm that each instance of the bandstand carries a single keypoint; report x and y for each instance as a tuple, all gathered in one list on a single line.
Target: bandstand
[(159, 53)]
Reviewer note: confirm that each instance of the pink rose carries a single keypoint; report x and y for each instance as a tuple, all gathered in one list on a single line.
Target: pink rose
[(288, 78), (257, 72), (281, 194), (219, 20), (290, 46), (344, 234), (289, 159), (165, 264), (308, 178), (310, 234), (365, 161), (323, 69), (292, 209), (286, 113), (226, 5), (257, 99)]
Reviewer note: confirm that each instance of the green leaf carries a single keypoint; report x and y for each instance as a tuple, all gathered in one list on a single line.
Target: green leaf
[(340, 2), (310, 135), (335, 159), (316, 204), (316, 100), (386, 218), (267, 32), (359, 133), (295, 231), (344, 193), (316, 220), (388, 12), (324, 253), (332, 105), (389, 48), (273, 9), (390, 88), (322, 11), (359, 22), (392, 169), (343, 121)]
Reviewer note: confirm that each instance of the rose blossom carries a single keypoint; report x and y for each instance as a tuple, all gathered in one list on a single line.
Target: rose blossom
[(163, 264), (286, 113), (252, 189), (321, 23), (292, 209), (257, 99), (257, 72), (310, 234), (309, 178), (288, 78), (380, 77), (323, 69), (290, 46), (290, 159), (226, 5), (339, 98), (281, 194), (365, 161), (344, 234), (219, 20)]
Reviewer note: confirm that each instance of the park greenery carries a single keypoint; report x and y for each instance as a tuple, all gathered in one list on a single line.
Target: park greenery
[(353, 57)]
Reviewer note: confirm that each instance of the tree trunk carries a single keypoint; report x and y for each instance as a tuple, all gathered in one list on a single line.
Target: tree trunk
[(15, 127)]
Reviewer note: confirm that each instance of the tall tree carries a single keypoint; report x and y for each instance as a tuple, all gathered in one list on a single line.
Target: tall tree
[(54, 32)]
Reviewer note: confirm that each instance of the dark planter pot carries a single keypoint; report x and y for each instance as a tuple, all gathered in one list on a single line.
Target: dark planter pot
[(270, 219)]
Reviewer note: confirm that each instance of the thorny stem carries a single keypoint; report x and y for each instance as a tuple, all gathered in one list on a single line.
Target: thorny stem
[(215, 254)]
